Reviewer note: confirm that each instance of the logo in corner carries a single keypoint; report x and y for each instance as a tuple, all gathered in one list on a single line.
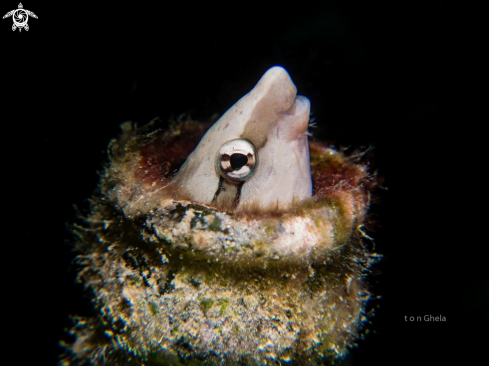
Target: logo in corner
[(20, 17)]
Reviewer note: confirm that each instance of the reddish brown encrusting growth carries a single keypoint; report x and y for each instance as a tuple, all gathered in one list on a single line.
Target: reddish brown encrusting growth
[(334, 174), (343, 181), (168, 150)]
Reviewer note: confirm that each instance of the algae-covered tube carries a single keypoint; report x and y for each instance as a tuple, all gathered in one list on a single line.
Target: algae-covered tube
[(235, 241)]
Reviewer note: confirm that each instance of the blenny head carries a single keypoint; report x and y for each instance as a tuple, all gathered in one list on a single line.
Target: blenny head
[(256, 154)]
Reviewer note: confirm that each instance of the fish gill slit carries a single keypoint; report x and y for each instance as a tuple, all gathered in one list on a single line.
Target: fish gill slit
[(238, 195), (219, 187)]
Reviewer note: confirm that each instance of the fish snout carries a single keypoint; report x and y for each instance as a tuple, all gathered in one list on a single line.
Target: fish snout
[(294, 124)]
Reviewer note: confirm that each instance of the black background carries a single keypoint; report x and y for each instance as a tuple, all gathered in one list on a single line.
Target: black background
[(408, 78)]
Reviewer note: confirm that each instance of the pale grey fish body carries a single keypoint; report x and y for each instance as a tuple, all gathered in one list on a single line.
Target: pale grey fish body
[(274, 120)]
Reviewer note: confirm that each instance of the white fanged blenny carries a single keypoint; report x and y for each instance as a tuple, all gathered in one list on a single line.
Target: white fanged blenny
[(251, 253), (267, 127)]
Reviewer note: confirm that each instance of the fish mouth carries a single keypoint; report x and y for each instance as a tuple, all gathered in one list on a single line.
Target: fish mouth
[(296, 119), (299, 107), (299, 111)]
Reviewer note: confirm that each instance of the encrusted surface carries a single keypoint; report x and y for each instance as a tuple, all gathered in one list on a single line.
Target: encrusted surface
[(176, 282)]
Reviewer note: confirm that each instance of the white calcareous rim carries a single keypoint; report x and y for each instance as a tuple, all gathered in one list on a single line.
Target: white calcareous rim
[(237, 160)]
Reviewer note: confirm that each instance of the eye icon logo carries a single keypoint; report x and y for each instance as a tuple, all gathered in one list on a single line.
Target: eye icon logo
[(20, 17)]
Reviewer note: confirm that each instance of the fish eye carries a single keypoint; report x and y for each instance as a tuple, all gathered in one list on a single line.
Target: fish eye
[(237, 160)]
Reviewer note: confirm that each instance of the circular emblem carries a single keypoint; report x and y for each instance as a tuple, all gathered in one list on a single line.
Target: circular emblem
[(20, 18)]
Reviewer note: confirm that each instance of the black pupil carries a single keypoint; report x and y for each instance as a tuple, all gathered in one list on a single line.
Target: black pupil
[(238, 161)]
